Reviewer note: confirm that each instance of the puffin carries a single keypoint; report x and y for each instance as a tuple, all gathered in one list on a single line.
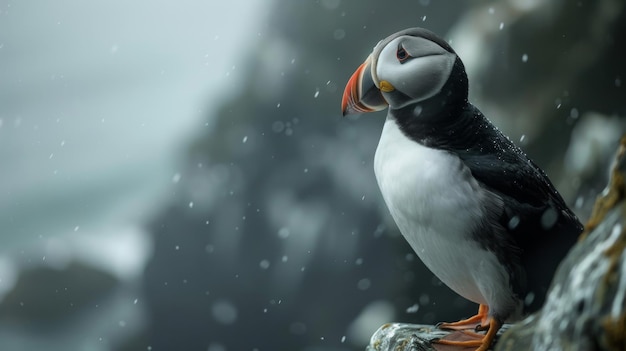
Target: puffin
[(482, 216)]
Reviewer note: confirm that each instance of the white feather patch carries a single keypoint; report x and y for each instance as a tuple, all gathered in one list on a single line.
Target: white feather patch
[(436, 204)]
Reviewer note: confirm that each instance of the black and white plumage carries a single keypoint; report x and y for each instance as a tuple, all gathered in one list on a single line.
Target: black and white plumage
[(480, 215)]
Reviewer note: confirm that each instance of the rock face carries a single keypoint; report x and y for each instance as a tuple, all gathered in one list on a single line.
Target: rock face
[(586, 305), (46, 298)]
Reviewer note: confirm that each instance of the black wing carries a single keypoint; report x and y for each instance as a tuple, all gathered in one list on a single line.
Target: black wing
[(525, 189), (534, 214)]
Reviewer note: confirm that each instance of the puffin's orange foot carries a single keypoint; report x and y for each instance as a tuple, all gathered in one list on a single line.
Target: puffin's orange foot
[(473, 322), (482, 342)]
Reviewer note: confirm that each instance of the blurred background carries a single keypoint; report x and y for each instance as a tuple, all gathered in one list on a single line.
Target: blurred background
[(176, 175)]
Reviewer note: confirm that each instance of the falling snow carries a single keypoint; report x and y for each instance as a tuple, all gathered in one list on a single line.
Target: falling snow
[(413, 309), (579, 202), (283, 233), (224, 312), (418, 110), (278, 126), (364, 284), (339, 34)]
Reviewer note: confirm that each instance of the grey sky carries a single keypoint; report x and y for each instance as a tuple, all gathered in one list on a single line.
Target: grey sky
[(96, 101)]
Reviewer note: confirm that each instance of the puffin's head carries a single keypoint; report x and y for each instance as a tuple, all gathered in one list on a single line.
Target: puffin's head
[(408, 67)]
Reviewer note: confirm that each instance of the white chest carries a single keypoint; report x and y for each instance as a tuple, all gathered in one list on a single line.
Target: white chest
[(429, 188), (436, 204)]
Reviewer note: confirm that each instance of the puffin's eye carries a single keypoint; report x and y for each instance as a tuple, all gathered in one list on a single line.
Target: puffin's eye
[(401, 54)]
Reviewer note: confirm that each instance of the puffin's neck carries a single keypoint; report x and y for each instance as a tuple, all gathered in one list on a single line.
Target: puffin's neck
[(454, 127), (438, 120)]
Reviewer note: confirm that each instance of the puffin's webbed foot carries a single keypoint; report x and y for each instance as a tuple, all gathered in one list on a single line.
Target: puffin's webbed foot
[(467, 338), (474, 322), (482, 342)]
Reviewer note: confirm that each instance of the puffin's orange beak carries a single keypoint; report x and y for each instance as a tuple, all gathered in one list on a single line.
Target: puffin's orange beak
[(361, 94)]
